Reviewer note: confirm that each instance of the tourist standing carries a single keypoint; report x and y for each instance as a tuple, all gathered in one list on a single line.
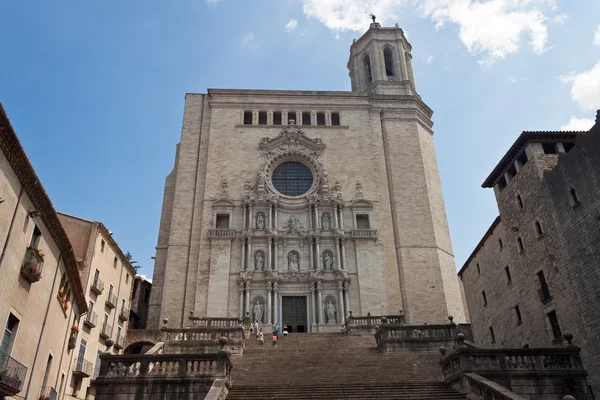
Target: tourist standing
[(261, 338), (252, 328), (277, 329), (275, 340), (285, 330)]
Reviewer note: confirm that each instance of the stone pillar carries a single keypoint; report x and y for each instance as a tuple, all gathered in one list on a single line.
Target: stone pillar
[(312, 264), (342, 217), (344, 266), (275, 297), (245, 223), (275, 254), (320, 301), (241, 290), (317, 224), (335, 217), (250, 220), (276, 217), (314, 305), (243, 253), (248, 300), (286, 261), (337, 252), (341, 316), (249, 254), (346, 297), (318, 255), (268, 319), (269, 265), (271, 215)]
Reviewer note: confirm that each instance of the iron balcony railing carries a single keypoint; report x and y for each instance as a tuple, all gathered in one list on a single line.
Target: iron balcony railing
[(91, 319), (119, 342), (12, 375), (106, 331), (83, 368), (97, 286), (111, 300), (33, 263), (124, 314), (48, 393)]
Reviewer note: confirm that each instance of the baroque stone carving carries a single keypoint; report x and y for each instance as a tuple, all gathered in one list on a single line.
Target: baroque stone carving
[(258, 312), (260, 220), (325, 221), (224, 191), (359, 191), (327, 261), (259, 261), (330, 312), (293, 261), (293, 225)]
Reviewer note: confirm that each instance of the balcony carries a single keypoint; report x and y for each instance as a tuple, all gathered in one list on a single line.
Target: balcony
[(91, 319), (48, 393), (221, 233), (120, 340), (106, 331), (97, 286), (111, 300), (33, 262), (124, 314), (12, 375), (83, 368), (364, 234)]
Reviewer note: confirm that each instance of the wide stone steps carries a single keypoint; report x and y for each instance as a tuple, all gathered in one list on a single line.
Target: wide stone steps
[(334, 366)]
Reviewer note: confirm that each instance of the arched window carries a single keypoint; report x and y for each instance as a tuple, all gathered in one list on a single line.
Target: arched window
[(367, 66), (388, 57)]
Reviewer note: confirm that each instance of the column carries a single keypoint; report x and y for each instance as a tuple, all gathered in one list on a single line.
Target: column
[(269, 265), (341, 315), (335, 217), (248, 300), (249, 254), (276, 254), (314, 306), (271, 215), (310, 242), (310, 217), (318, 255), (275, 297), (241, 290), (343, 253), (346, 297), (342, 217), (286, 265), (320, 301), (268, 319), (317, 225), (337, 252), (276, 217), (245, 223), (243, 253), (250, 224)]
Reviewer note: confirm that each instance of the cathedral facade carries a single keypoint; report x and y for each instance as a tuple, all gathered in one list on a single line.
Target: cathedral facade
[(299, 207)]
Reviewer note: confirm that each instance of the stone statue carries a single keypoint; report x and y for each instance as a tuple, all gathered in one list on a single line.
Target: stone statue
[(325, 179), (258, 312), (330, 311), (259, 261), (260, 221), (328, 262), (293, 262), (325, 222), (262, 177)]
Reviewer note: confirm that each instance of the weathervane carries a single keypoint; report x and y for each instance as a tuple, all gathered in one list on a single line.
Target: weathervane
[(372, 16)]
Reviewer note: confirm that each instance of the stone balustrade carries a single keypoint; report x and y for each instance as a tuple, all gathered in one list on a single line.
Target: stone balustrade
[(127, 376), (407, 338), (203, 339), (534, 373), (221, 233), (364, 234), (477, 387), (215, 322), (367, 325)]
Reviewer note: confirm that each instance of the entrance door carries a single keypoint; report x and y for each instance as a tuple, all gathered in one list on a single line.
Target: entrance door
[(294, 313)]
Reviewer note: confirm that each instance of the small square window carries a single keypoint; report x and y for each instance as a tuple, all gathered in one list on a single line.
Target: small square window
[(247, 117), (222, 221), (362, 221)]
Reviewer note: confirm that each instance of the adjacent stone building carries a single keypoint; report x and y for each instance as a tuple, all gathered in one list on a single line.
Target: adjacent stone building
[(298, 207), (140, 299), (107, 278), (534, 275), (41, 296)]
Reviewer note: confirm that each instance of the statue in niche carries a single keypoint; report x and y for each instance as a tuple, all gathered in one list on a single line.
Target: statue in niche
[(258, 312), (293, 262), (325, 179), (327, 261), (325, 222), (259, 261), (260, 221), (330, 311), (262, 177)]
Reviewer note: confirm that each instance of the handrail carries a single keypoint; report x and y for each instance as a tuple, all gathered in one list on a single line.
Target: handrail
[(12, 373), (485, 389)]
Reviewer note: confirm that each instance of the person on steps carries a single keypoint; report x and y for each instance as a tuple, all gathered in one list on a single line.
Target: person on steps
[(276, 330), (261, 339), (275, 341), (285, 330)]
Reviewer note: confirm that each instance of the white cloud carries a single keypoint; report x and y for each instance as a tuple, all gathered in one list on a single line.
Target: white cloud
[(429, 60), (560, 19), (578, 124), (213, 1), (291, 25), (597, 36), (145, 278), (586, 87), (492, 28), (248, 42)]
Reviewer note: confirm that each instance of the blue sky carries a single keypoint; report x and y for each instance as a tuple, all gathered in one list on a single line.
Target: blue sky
[(95, 89)]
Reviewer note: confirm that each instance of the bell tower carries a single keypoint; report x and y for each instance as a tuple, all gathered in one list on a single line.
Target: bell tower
[(381, 63)]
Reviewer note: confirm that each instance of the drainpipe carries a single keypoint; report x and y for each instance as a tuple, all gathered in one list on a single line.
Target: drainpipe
[(43, 325), (12, 222)]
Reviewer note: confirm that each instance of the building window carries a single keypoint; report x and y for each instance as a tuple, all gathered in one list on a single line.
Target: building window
[(277, 118), (146, 296), (492, 334), (518, 314), (8, 337), (102, 244), (520, 244), (389, 61), (538, 228), (574, 200), (478, 269), (508, 276), (222, 221), (115, 262), (292, 179), (367, 69), (36, 237), (292, 116), (335, 118), (262, 117), (305, 118), (484, 298), (549, 148), (320, 118), (362, 221), (110, 291), (543, 290), (511, 171), (568, 146), (500, 244), (501, 183), (519, 200), (127, 278), (247, 117), (554, 325), (81, 355)]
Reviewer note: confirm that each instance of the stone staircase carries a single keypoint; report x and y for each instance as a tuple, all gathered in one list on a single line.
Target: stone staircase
[(334, 366)]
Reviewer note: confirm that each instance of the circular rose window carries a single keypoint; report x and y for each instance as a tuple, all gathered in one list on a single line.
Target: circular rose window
[(292, 179)]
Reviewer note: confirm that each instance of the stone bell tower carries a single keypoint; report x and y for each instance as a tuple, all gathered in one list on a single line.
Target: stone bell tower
[(381, 63)]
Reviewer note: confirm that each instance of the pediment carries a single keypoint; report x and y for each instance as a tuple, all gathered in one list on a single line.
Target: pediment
[(361, 203), (291, 137), (224, 203)]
